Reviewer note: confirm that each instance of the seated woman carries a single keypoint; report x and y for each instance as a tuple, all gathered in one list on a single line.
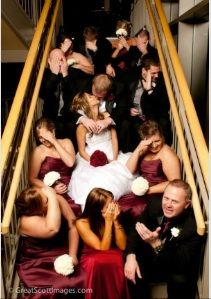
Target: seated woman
[(47, 231), (114, 176), (120, 53), (104, 239), (155, 161), (80, 69), (52, 155)]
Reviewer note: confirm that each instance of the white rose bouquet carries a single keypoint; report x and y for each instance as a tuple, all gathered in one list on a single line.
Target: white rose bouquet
[(140, 186), (121, 32), (64, 264), (51, 177)]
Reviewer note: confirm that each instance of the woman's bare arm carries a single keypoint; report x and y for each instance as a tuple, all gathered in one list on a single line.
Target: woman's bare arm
[(73, 236), (43, 226), (115, 146), (36, 160), (81, 140), (171, 169)]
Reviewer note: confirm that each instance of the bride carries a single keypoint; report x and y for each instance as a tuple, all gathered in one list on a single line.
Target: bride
[(113, 176)]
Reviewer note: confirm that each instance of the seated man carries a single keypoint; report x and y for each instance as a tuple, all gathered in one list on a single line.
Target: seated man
[(56, 91), (149, 99), (164, 245)]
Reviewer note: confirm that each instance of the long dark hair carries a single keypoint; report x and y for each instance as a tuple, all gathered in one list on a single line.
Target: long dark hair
[(95, 202)]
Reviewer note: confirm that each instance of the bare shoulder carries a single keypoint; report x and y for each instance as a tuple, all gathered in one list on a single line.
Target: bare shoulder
[(39, 151), (167, 152), (65, 141), (76, 55), (81, 128)]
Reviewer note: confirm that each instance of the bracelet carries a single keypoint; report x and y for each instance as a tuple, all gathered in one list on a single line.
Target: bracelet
[(119, 227), (158, 249)]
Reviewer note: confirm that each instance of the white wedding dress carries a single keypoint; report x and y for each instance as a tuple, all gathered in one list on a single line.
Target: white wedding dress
[(114, 176)]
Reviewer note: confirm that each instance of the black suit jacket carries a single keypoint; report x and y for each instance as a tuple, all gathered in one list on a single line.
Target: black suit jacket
[(179, 254), (101, 57), (49, 92), (117, 104), (155, 104)]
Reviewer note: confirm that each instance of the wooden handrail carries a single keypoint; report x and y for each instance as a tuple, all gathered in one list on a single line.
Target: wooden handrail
[(12, 120), (28, 126), (184, 153), (198, 137)]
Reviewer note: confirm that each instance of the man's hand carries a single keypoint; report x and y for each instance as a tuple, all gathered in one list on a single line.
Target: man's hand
[(64, 67), (150, 237), (132, 268), (103, 124), (110, 70), (134, 112), (147, 83), (54, 65), (89, 124)]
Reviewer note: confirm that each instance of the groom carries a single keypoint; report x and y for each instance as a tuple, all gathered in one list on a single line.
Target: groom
[(164, 245)]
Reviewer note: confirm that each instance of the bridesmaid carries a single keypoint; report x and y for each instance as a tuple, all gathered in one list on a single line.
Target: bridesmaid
[(52, 155), (46, 221), (104, 240), (154, 160)]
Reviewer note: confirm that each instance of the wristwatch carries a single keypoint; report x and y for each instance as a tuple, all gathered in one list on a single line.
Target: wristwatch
[(158, 249)]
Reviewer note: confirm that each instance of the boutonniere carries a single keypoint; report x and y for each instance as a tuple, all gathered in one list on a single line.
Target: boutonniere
[(175, 231)]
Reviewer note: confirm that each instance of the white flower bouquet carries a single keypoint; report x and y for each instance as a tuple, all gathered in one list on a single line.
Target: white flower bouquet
[(51, 177), (140, 186), (71, 61), (121, 32), (64, 264)]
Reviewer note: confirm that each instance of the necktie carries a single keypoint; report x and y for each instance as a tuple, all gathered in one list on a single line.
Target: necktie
[(164, 229)]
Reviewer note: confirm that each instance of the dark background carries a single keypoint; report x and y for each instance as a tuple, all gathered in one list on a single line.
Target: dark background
[(80, 13)]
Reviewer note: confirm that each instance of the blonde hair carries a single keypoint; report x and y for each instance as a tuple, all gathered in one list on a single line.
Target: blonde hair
[(150, 128), (124, 24), (102, 83), (80, 102)]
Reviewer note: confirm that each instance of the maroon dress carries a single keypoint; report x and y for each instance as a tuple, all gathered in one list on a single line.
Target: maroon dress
[(132, 205), (105, 274), (56, 164), (35, 267)]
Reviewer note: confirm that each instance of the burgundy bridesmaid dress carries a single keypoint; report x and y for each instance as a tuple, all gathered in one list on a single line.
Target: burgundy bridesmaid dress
[(56, 164), (105, 273), (132, 205), (35, 267)]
